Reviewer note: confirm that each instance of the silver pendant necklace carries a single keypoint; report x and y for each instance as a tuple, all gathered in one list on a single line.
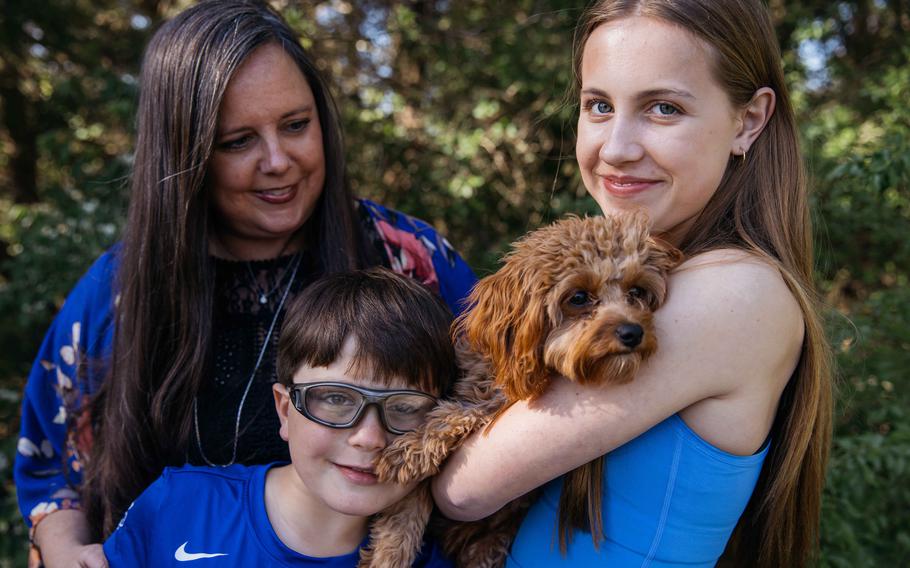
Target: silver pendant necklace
[(263, 295), (249, 382)]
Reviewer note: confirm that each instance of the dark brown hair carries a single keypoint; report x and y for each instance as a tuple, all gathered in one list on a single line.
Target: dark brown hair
[(163, 326), (761, 206), (401, 329)]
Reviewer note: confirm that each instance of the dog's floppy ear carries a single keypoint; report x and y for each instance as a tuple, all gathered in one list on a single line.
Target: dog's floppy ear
[(663, 257), (507, 322)]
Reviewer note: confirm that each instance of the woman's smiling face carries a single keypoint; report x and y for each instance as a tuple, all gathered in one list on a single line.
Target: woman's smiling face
[(656, 130), (267, 170)]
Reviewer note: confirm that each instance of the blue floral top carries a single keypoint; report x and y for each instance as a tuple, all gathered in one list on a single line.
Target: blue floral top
[(54, 437)]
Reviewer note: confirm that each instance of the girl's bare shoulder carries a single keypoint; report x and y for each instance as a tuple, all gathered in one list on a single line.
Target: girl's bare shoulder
[(727, 278), (735, 310)]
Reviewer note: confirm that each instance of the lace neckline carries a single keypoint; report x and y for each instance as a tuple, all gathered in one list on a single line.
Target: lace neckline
[(241, 284)]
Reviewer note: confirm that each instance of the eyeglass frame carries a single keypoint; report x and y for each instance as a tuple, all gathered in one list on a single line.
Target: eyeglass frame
[(371, 397)]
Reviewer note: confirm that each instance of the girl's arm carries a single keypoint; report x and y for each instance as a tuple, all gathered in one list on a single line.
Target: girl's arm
[(729, 338)]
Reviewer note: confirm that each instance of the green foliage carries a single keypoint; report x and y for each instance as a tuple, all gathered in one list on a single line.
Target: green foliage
[(14, 539), (73, 70), (859, 147), (873, 358), (866, 502), (62, 237), (863, 165), (867, 499), (464, 101), (456, 112)]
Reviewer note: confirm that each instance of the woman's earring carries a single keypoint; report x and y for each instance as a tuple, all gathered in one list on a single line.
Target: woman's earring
[(744, 155)]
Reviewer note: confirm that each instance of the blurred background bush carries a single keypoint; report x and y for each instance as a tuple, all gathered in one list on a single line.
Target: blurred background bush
[(455, 111)]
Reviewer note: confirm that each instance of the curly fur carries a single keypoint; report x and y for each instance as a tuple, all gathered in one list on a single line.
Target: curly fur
[(555, 307)]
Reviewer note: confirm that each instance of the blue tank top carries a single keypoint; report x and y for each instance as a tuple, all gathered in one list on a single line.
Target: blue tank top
[(671, 499)]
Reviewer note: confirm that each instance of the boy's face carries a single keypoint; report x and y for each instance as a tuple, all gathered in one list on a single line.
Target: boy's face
[(335, 466)]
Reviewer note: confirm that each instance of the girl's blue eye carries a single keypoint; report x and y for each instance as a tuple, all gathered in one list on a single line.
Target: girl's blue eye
[(601, 107), (666, 109)]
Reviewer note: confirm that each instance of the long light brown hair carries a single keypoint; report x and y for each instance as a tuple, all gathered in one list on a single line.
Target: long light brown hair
[(761, 206), (163, 327)]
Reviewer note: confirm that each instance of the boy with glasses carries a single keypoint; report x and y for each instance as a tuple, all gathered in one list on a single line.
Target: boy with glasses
[(362, 358)]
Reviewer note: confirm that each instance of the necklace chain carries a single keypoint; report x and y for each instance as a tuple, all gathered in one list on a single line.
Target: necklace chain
[(249, 383), (263, 295)]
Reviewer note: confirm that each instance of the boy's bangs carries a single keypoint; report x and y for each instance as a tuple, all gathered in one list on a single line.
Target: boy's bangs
[(401, 330), (389, 364)]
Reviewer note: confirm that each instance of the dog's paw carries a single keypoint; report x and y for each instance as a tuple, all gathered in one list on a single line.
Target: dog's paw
[(366, 558), (404, 461), (386, 557)]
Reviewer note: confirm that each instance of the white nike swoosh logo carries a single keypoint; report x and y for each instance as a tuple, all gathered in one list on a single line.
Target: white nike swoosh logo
[(181, 555)]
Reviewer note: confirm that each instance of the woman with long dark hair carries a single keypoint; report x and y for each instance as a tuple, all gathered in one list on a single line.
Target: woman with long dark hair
[(716, 451), (164, 353)]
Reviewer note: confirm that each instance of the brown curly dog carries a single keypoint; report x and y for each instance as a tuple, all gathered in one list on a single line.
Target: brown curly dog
[(574, 298)]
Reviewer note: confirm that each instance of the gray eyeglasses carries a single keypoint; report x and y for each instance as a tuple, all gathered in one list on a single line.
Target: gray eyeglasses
[(340, 405)]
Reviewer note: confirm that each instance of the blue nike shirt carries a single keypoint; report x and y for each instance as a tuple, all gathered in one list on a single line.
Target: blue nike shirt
[(200, 516)]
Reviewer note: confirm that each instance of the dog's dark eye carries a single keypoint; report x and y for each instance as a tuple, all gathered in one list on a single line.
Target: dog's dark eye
[(579, 299), (636, 293)]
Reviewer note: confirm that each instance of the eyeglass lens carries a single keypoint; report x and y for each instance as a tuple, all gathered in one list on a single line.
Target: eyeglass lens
[(339, 405)]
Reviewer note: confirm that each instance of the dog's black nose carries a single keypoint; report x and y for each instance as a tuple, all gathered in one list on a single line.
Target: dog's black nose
[(630, 334)]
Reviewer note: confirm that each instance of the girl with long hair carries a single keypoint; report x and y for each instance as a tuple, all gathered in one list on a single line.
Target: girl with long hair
[(164, 353), (716, 451)]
